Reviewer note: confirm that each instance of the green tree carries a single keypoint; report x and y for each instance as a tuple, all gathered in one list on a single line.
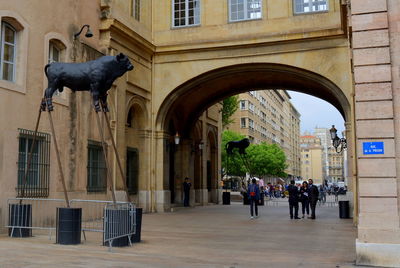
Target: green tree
[(266, 160), (229, 107), (234, 166)]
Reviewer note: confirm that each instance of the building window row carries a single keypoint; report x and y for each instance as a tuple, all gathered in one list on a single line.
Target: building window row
[(187, 12), (36, 182)]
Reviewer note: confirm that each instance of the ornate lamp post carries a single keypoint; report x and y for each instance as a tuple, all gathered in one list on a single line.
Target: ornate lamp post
[(339, 143)]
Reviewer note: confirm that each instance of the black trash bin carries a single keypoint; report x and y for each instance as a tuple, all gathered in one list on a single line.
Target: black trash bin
[(344, 210), (226, 198), (69, 226), (20, 215), (137, 236)]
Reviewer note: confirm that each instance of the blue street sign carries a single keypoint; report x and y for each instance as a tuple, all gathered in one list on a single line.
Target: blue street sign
[(373, 147)]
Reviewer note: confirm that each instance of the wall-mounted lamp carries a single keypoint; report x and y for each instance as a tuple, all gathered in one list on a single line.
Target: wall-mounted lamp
[(88, 32), (339, 143), (201, 145), (177, 138)]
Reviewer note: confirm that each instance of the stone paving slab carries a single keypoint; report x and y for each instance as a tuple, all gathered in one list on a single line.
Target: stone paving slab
[(212, 236)]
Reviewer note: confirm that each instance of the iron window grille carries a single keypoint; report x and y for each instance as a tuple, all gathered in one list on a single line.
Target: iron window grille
[(37, 181), (310, 6), (96, 168), (185, 13), (132, 170)]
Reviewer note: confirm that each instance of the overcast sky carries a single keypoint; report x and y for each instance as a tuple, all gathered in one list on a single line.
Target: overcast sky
[(316, 113)]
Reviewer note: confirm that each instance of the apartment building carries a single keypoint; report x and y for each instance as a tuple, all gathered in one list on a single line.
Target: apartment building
[(269, 116)]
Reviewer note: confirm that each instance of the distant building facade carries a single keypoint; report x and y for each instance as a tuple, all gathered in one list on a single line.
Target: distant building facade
[(324, 135), (336, 165), (269, 116), (311, 158)]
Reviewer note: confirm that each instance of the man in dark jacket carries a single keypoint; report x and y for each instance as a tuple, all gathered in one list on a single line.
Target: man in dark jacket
[(313, 195), (253, 192), (186, 192), (293, 200)]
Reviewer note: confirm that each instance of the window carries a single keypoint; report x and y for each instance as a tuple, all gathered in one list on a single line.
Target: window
[(186, 13), (243, 122), (96, 169), (54, 56), (244, 10), (136, 9), (132, 170), (37, 180), (251, 106), (263, 101), (251, 124), (8, 52), (306, 6), (242, 105)]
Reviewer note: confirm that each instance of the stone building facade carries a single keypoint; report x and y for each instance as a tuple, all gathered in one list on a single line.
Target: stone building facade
[(311, 158), (269, 116), (335, 165), (189, 55)]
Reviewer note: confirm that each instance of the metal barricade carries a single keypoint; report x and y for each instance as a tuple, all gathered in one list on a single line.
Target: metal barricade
[(119, 222), (32, 213)]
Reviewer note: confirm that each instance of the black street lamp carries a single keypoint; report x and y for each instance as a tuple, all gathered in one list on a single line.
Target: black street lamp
[(339, 143), (88, 32)]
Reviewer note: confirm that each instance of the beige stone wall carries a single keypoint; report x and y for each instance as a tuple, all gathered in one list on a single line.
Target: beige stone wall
[(375, 54)]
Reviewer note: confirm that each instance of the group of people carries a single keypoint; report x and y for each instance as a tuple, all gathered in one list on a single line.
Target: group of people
[(307, 194)]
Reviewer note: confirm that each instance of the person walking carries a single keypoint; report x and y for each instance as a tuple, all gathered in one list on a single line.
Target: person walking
[(305, 202), (322, 194), (293, 200), (313, 195), (186, 192), (254, 195)]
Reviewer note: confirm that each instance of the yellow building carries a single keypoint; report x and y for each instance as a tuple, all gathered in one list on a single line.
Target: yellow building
[(268, 116), (336, 165), (311, 158)]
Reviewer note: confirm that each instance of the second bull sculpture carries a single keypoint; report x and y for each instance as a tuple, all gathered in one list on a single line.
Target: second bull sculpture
[(96, 76)]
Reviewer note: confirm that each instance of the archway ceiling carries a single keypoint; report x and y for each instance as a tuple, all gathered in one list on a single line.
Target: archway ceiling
[(196, 95)]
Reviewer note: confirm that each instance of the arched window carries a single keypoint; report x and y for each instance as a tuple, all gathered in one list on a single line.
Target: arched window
[(56, 53), (129, 120), (8, 52)]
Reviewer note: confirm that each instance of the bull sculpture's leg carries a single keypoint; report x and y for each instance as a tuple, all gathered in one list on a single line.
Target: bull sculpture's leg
[(96, 97), (104, 105), (48, 94)]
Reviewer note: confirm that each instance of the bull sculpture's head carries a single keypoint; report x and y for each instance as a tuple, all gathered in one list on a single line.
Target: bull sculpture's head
[(124, 63)]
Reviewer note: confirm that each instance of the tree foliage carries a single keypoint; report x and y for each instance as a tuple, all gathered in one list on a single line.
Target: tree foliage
[(266, 160), (262, 159), (234, 166), (229, 107)]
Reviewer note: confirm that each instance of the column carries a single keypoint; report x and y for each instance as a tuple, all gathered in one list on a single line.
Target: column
[(378, 240)]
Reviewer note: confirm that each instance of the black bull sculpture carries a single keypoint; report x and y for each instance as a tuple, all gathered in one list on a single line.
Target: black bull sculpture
[(96, 76), (241, 145)]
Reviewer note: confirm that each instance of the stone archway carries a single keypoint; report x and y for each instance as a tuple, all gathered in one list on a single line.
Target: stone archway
[(187, 102)]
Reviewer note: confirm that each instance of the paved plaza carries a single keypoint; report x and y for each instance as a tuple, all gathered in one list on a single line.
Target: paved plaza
[(211, 236)]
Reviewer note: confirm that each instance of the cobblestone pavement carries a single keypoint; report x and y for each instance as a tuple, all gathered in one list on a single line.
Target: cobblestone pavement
[(211, 236)]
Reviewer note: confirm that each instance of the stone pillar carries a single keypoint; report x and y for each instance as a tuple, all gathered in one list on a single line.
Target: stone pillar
[(204, 191), (160, 196), (378, 240)]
